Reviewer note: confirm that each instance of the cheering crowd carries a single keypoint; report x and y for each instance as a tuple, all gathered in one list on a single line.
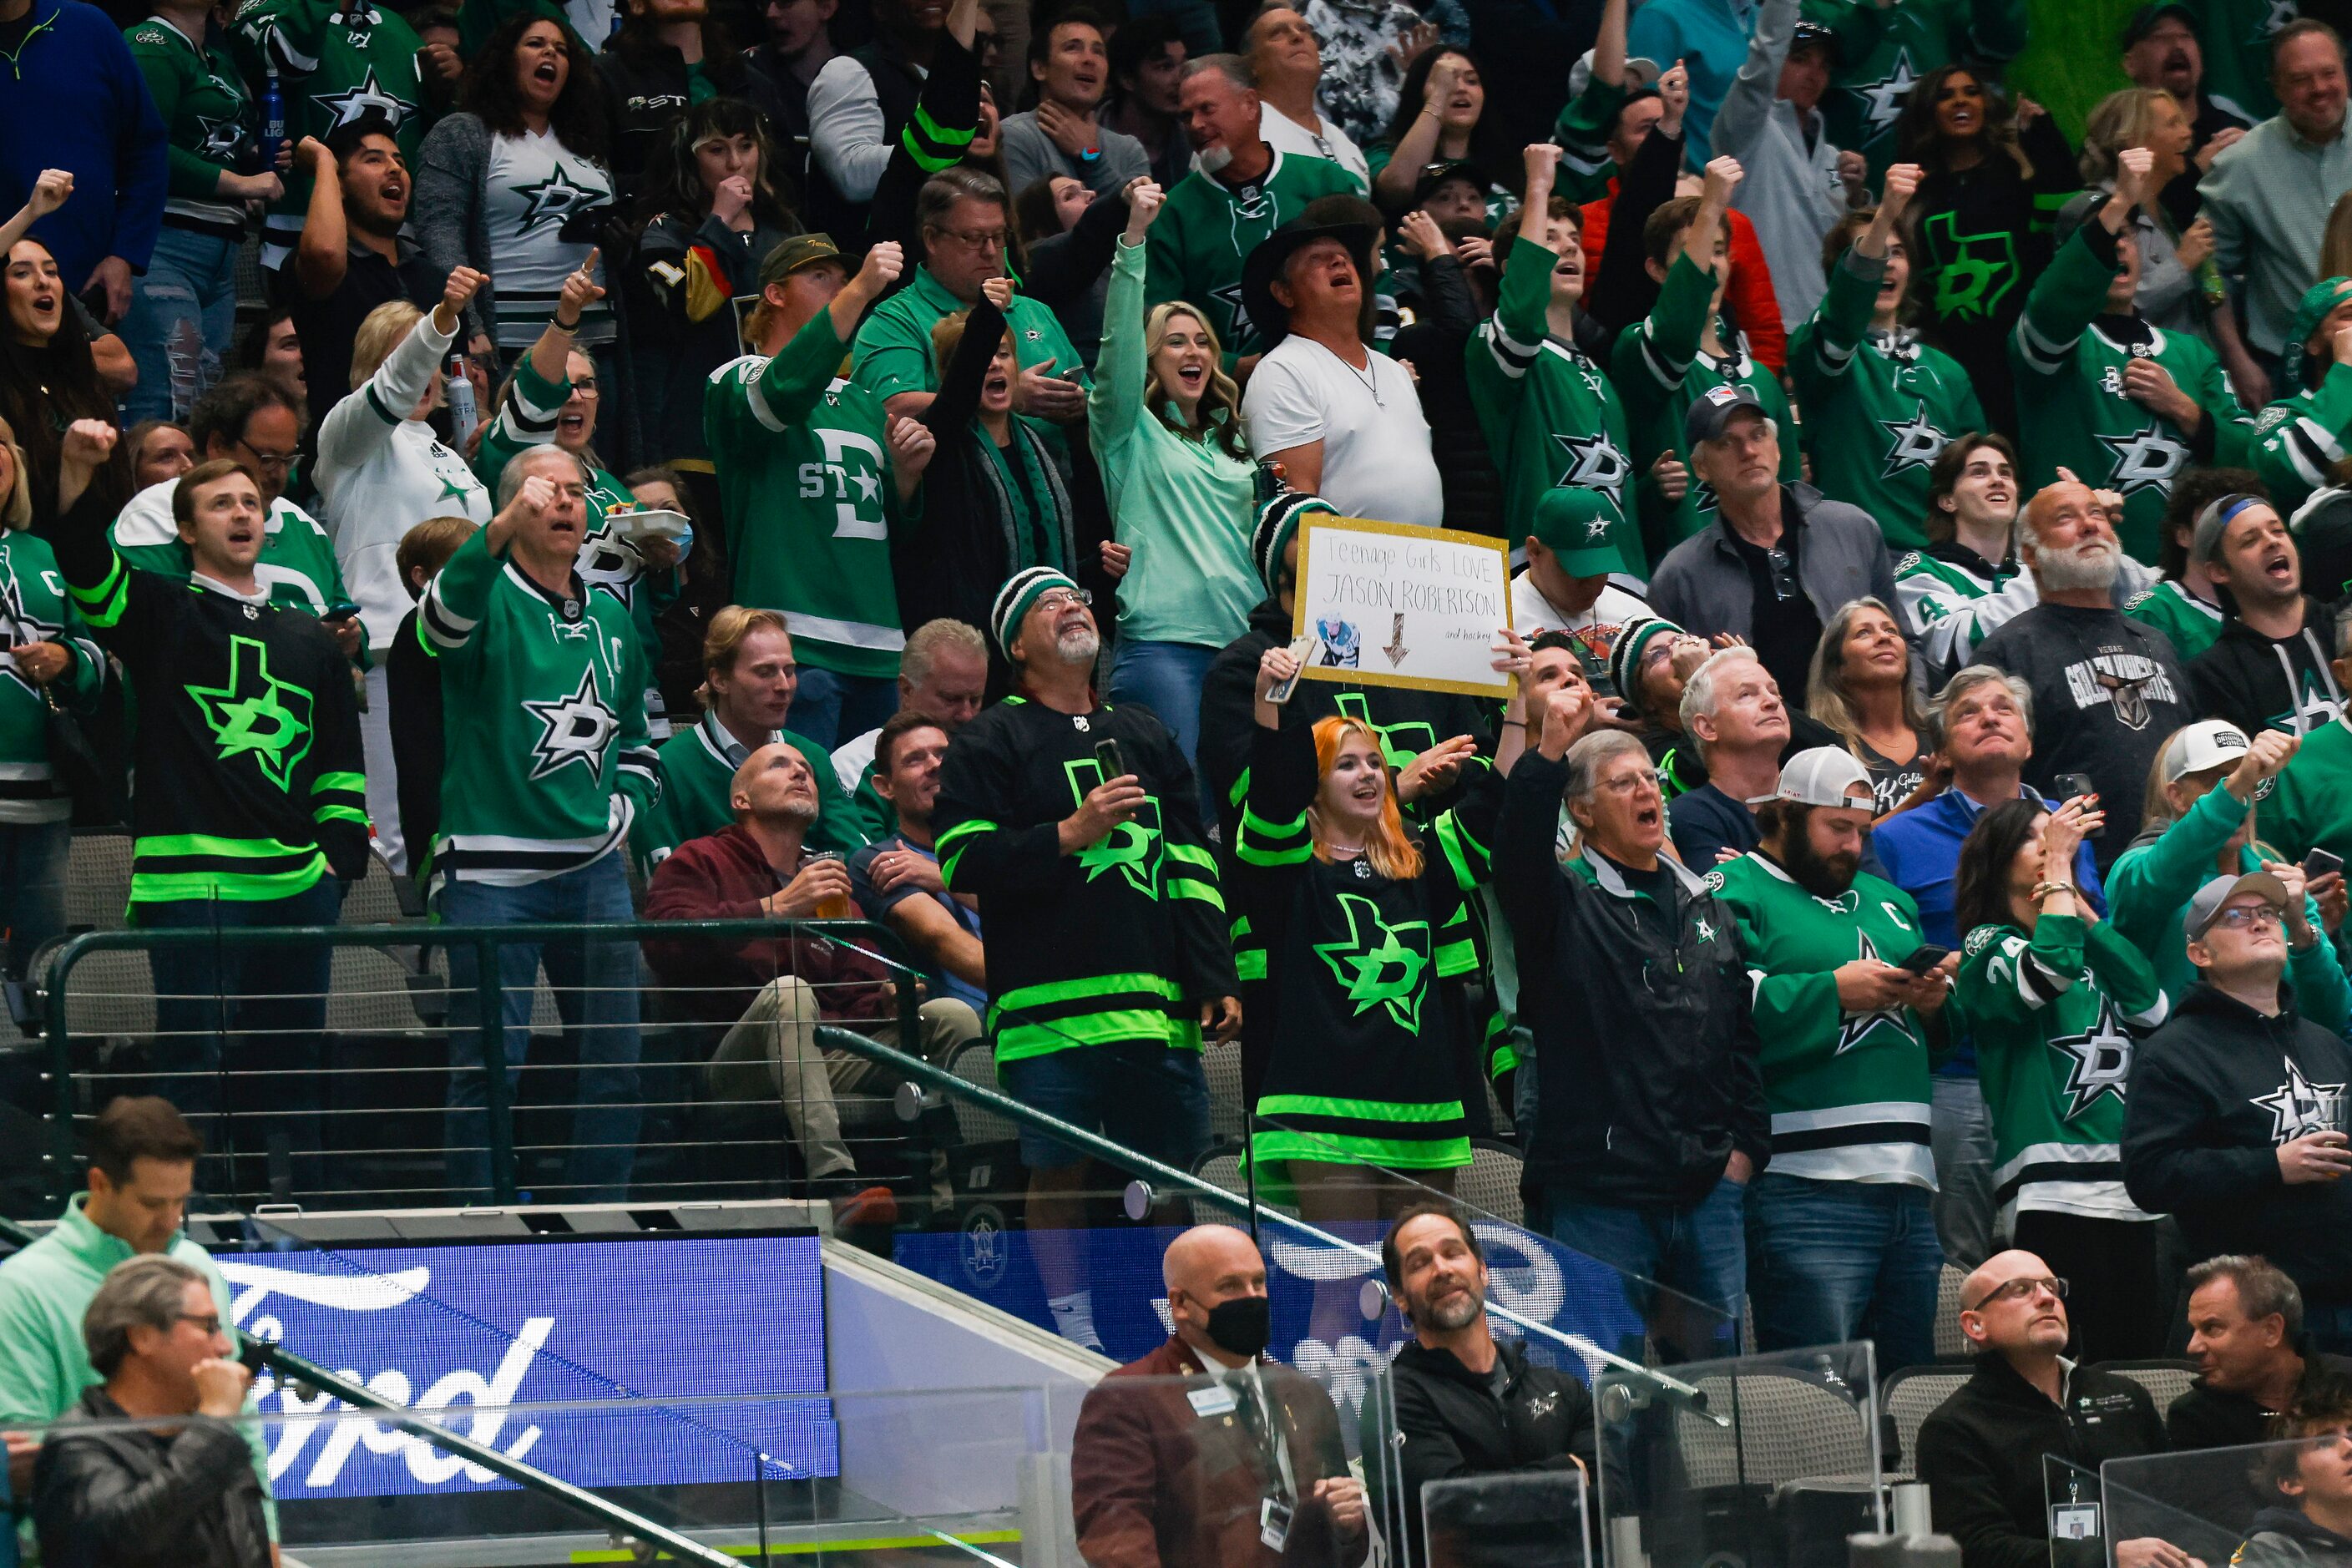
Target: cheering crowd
[(710, 463)]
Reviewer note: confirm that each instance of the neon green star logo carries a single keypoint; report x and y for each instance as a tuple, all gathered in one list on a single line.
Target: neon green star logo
[(1400, 743), (256, 714), (1382, 965), (1132, 849)]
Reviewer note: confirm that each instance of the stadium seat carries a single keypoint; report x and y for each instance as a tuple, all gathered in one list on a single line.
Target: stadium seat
[(1789, 1428), (2165, 1380), (1909, 1398), (1949, 1340), (975, 1063), (1490, 1186), (1228, 1117), (1221, 1168)]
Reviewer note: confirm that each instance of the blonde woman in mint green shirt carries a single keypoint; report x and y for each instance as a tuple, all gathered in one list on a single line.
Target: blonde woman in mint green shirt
[(1166, 423)]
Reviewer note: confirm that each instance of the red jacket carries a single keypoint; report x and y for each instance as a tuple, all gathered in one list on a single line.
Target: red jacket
[(723, 878), (1749, 300)]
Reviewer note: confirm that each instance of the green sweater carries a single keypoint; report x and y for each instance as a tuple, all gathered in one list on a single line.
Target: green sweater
[(893, 349), (44, 1291), (1183, 506), (201, 98), (2148, 892)]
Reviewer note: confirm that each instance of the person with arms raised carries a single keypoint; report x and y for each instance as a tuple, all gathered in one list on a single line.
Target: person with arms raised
[(2299, 438)]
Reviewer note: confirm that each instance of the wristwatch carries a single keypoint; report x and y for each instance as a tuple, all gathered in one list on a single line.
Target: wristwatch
[(1090, 155)]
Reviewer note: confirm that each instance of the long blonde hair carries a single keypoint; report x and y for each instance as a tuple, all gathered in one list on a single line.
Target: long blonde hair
[(2125, 118), (1220, 397), (1390, 852)]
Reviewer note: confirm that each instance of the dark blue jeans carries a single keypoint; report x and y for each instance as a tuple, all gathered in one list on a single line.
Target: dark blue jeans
[(595, 985), (32, 888), (1698, 1251), (240, 1035), (1832, 1261)]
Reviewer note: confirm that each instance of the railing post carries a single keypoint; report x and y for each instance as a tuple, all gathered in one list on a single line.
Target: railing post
[(61, 1069), (490, 997)]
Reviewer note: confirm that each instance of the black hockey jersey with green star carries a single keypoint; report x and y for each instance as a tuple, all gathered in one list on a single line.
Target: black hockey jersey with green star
[(1848, 1091), (1349, 985), (248, 758), (1122, 942)]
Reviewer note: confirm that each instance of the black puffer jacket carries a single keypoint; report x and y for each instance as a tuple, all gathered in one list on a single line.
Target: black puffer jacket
[(130, 1498)]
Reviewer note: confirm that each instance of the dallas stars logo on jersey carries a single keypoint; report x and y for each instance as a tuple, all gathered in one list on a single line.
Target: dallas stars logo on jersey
[(1594, 463), (1132, 849), (369, 95), (1918, 443), (1229, 296), (572, 729), (1400, 743), (1862, 1028), (2098, 1060), (19, 625), (1380, 964), (256, 714), (1975, 271), (554, 199), (222, 138), (2148, 458), (1882, 100), (2299, 1107)]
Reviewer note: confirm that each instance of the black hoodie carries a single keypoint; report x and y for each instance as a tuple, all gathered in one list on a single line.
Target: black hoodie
[(2263, 683), (1410, 722), (2284, 1538), (1454, 1422), (2212, 1095), (1982, 1452)]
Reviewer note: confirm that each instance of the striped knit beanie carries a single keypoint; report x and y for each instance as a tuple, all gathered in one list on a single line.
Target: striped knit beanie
[(1625, 657), (1013, 601), (1277, 523)]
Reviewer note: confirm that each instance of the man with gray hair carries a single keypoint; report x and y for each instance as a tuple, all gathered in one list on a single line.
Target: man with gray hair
[(1650, 1117), (1240, 191), (2245, 1334), (120, 1493), (548, 766), (942, 675), (2106, 690), (1732, 709)]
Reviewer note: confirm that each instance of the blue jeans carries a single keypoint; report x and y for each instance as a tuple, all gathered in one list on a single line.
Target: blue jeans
[(1143, 1097), (595, 985), (831, 708), (183, 315), (1698, 1250), (1832, 1261), (1167, 678), (273, 1001), (32, 889)]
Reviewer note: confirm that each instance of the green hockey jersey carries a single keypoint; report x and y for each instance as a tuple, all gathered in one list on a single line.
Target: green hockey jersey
[(1880, 407), (1550, 416), (1349, 986), (1659, 371), (209, 116), (2236, 35), (1885, 49), (1124, 940), (543, 697), (2070, 408), (335, 60), (34, 607), (1848, 1091), (2192, 624), (1937, 588), (298, 558), (697, 774), (1195, 248), (2298, 439), (2054, 1016), (2308, 806), (1583, 136), (811, 499)]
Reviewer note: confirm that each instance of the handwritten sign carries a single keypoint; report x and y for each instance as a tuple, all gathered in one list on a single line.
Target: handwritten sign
[(1398, 605)]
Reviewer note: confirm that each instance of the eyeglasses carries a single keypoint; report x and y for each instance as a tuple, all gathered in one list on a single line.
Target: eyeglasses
[(585, 386), (2020, 1290), (2250, 916), (1061, 599), (269, 459), (208, 1321), (1784, 576), (974, 239), (1643, 778)]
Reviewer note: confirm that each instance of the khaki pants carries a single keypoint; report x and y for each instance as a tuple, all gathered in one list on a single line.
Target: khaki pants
[(779, 1030)]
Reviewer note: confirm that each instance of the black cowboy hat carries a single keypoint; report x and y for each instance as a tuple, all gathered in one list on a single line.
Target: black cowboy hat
[(1264, 264)]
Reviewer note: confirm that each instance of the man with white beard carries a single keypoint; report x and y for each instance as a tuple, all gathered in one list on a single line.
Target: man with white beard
[(1467, 1404), (2107, 689)]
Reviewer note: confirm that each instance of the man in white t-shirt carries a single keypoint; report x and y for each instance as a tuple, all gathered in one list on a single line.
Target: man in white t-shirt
[(1565, 586), (1344, 421)]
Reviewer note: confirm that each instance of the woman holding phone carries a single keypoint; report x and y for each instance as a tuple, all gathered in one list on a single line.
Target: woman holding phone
[(2058, 997)]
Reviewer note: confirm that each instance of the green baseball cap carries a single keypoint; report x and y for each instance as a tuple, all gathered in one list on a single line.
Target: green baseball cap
[(801, 250), (1580, 526)]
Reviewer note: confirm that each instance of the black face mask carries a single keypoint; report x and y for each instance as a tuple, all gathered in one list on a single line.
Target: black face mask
[(1242, 1326)]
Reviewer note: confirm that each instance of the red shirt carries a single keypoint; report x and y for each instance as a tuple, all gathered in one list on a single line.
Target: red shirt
[(1749, 300)]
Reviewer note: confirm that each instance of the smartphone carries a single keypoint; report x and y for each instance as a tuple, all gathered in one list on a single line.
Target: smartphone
[(1924, 958), (2072, 784), (2320, 862), (1108, 759), (1302, 649)]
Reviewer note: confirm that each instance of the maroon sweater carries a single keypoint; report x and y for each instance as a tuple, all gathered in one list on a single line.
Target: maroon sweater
[(724, 877)]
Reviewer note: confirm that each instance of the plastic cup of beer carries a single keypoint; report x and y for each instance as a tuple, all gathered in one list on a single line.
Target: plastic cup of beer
[(838, 907)]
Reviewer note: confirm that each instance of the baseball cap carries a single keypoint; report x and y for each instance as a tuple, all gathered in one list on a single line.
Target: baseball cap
[(2207, 743), (1579, 75), (1811, 33), (2144, 20), (1580, 526), (1436, 174), (1824, 775), (2206, 906), (801, 250), (1712, 410)]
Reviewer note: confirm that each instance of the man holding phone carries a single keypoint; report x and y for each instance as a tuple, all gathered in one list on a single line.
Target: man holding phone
[(2234, 1118)]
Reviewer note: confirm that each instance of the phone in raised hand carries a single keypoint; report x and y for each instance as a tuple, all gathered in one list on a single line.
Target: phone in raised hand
[(1108, 761), (1302, 649), (2320, 862)]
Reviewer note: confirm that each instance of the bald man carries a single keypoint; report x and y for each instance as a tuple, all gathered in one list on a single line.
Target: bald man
[(2107, 689), (1202, 1452), (770, 993), (1981, 1452)]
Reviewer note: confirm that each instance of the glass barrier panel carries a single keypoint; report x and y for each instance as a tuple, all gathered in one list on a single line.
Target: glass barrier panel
[(1768, 1457), (2264, 1506), (2077, 1521), (1521, 1521)]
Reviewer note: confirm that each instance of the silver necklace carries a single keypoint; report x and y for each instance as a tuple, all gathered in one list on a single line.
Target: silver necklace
[(1371, 383)]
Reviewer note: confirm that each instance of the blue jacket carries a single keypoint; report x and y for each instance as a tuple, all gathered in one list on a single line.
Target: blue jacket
[(1710, 37), (1921, 850), (72, 98)]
